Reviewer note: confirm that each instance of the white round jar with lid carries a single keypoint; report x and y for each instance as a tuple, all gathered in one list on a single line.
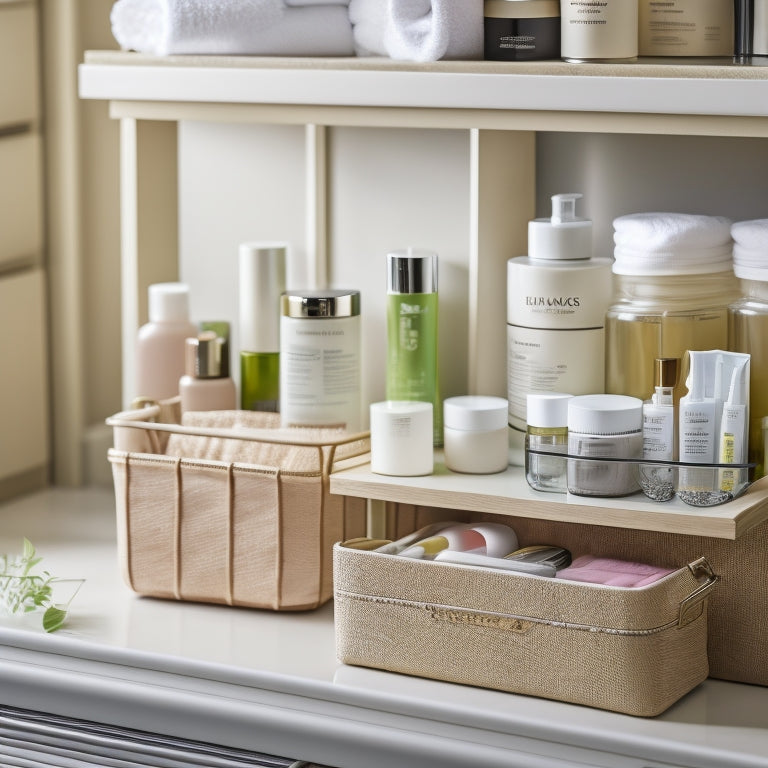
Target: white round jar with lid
[(402, 438), (748, 325), (673, 282), (320, 359), (604, 427), (475, 434)]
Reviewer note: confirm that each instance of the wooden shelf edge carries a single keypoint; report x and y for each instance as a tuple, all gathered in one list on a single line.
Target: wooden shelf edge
[(487, 494)]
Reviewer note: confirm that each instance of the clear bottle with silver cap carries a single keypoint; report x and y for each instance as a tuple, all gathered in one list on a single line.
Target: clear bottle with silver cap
[(320, 359), (412, 369), (261, 283), (206, 385)]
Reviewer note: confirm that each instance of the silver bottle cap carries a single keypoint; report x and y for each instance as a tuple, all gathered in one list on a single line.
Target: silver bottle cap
[(412, 271), (205, 358), (320, 304)]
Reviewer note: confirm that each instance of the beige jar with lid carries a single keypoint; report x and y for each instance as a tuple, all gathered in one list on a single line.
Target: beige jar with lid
[(673, 283)]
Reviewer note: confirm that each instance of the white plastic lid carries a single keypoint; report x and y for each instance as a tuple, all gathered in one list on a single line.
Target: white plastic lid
[(475, 413), (261, 283), (562, 237), (168, 303), (750, 249), (672, 244), (547, 409), (605, 414)]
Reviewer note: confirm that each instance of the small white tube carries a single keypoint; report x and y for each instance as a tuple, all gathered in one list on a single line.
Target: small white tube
[(733, 427)]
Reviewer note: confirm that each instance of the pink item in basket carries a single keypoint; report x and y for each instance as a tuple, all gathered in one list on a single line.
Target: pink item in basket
[(612, 572)]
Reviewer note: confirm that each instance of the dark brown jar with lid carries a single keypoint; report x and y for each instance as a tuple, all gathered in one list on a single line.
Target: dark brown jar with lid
[(522, 30)]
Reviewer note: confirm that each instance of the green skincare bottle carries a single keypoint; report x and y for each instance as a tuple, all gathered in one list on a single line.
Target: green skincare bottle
[(412, 372), (261, 282)]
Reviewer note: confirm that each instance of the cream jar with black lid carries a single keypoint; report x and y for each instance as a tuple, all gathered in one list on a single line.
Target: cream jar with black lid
[(522, 30)]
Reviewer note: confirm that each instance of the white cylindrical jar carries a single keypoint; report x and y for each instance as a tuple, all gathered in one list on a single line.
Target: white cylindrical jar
[(475, 434), (606, 427), (401, 438), (320, 359), (598, 30)]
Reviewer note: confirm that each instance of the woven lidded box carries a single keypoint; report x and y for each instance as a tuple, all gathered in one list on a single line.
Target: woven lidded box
[(632, 650), (229, 507)]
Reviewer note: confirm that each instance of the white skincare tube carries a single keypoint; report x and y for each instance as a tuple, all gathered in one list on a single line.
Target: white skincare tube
[(697, 433), (733, 427), (697, 419)]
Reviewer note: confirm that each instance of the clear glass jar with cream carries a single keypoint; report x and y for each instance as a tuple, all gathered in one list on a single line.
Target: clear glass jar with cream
[(546, 441), (603, 430)]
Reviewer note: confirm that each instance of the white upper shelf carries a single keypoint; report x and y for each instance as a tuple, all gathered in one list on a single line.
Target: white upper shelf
[(672, 87)]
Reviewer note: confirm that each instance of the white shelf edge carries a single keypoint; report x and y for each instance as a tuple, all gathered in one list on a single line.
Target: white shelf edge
[(386, 88)]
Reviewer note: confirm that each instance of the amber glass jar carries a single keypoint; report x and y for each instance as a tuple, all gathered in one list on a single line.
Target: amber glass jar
[(673, 283)]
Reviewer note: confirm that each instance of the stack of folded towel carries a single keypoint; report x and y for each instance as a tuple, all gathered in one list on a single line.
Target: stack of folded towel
[(418, 30), (247, 27), (412, 30)]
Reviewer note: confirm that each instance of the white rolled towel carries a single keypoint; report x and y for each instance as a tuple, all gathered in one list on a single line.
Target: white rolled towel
[(750, 249), (418, 30), (231, 27)]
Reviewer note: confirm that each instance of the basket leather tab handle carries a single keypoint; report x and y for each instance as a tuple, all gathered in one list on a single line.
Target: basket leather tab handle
[(692, 606)]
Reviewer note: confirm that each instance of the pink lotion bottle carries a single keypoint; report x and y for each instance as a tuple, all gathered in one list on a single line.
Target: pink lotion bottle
[(207, 386), (160, 342)]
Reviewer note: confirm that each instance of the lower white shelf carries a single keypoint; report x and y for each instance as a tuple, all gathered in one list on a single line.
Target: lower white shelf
[(508, 493), (270, 682)]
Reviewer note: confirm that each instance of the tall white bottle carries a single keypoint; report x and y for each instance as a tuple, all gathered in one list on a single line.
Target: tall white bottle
[(557, 297)]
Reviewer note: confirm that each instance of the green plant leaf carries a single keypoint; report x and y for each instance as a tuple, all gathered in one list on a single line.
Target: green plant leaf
[(53, 618), (28, 551), (24, 592)]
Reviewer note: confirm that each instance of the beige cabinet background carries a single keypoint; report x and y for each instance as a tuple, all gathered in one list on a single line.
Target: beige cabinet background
[(59, 249)]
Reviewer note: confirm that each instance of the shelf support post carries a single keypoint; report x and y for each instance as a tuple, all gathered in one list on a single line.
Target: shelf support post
[(502, 201)]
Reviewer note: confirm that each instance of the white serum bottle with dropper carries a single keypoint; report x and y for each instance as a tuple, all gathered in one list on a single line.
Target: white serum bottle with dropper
[(557, 297)]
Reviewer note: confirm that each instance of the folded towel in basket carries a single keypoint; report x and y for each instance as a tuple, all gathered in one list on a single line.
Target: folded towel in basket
[(418, 30), (231, 27)]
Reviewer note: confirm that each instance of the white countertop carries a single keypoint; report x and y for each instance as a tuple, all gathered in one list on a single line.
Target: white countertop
[(270, 682)]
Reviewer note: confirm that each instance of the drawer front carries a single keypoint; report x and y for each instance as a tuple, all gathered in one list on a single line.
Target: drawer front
[(23, 389), (19, 92), (20, 198)]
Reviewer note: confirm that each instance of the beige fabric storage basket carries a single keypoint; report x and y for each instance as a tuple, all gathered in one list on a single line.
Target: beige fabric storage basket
[(738, 609), (237, 513), (635, 651)]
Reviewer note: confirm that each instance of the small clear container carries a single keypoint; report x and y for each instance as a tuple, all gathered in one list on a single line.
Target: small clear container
[(546, 441)]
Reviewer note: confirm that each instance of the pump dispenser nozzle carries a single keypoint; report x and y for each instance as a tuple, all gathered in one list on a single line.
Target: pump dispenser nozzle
[(564, 207), (564, 236)]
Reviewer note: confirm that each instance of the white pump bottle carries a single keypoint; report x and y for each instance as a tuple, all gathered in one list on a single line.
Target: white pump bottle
[(557, 297)]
